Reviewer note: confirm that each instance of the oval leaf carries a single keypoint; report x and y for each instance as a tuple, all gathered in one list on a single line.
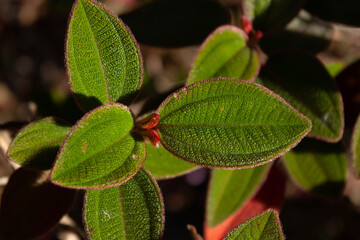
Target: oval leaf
[(318, 166), (103, 60), (229, 189), (99, 152), (31, 205), (225, 54), (272, 15), (163, 164), (305, 83), (134, 210), (229, 124), (355, 147), (176, 23), (37, 144), (265, 226)]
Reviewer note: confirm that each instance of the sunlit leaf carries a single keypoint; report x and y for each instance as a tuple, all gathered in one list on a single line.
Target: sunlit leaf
[(103, 60), (133, 210), (37, 144), (318, 166), (229, 123), (99, 151), (225, 53)]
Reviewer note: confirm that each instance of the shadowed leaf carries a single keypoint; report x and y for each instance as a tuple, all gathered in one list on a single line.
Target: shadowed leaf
[(103, 60), (355, 147), (36, 145), (229, 123), (225, 54), (99, 151), (31, 205), (318, 166), (305, 83), (133, 210)]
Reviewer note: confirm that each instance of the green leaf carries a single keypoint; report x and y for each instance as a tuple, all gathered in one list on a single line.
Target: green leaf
[(134, 210), (305, 83), (103, 60), (265, 226), (100, 151), (355, 147), (163, 164), (37, 144), (225, 53), (229, 189), (271, 15), (229, 124), (318, 167)]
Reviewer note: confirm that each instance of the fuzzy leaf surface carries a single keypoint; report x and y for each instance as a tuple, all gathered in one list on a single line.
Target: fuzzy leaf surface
[(103, 60), (265, 226), (318, 167), (225, 54), (99, 151), (229, 124), (229, 190), (162, 164), (306, 85), (355, 147), (37, 144), (133, 210)]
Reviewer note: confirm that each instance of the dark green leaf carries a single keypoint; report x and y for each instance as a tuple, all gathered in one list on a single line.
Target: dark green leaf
[(134, 210), (176, 23), (355, 147), (229, 189), (305, 83), (31, 205), (100, 151), (225, 53), (163, 164), (265, 226), (103, 60), (272, 15), (318, 166), (229, 124), (37, 144)]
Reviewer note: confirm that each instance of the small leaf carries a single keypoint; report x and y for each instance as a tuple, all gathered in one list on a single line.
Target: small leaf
[(229, 124), (100, 151), (229, 189), (176, 23), (272, 15), (103, 60), (193, 232), (31, 205), (37, 144), (265, 226), (225, 53), (163, 164), (355, 147), (134, 210), (318, 166), (267, 196), (305, 83)]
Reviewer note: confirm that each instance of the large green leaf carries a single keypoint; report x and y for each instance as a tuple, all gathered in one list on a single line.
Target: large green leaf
[(271, 15), (305, 83), (265, 226), (134, 210), (229, 189), (100, 151), (318, 166), (103, 60), (163, 164), (37, 144), (229, 124), (225, 53), (355, 147)]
